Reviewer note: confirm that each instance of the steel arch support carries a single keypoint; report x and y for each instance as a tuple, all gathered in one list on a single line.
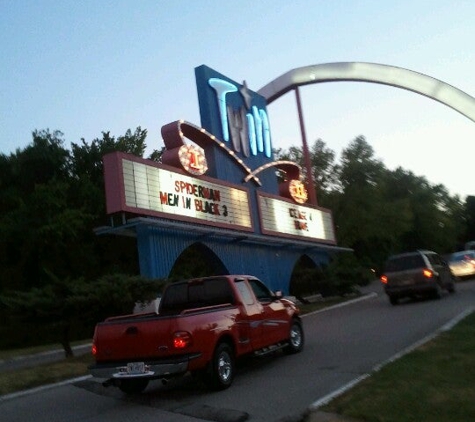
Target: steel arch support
[(375, 73)]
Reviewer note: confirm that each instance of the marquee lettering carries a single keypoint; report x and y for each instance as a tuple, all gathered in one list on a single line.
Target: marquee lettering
[(207, 207), (299, 219), (169, 199), (197, 190)]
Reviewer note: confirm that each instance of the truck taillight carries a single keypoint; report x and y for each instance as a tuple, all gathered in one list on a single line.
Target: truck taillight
[(384, 279), (181, 339), (427, 273), (94, 349)]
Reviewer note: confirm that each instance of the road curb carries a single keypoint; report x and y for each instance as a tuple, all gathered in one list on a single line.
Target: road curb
[(339, 305)]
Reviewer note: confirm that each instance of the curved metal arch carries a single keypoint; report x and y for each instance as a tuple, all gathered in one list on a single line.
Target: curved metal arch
[(376, 73)]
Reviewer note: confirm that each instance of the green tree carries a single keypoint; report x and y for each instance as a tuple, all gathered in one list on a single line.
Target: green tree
[(435, 217), (51, 199), (364, 221), (63, 303), (323, 164), (33, 205)]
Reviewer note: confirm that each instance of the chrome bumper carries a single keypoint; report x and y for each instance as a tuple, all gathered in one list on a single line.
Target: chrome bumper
[(152, 369)]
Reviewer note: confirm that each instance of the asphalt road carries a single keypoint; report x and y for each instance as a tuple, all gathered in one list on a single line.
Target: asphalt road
[(342, 344)]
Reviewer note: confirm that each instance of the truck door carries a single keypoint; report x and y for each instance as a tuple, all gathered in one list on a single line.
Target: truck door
[(250, 323), (274, 318)]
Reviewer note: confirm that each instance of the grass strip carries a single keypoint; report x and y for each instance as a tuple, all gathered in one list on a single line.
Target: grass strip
[(14, 353), (434, 383), (23, 379)]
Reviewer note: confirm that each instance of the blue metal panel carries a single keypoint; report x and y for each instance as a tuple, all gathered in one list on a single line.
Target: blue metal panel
[(160, 247)]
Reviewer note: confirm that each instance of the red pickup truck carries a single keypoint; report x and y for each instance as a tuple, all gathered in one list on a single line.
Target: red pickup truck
[(203, 325)]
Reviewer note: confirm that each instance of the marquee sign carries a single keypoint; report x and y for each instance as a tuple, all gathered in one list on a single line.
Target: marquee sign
[(222, 174), (143, 187), (281, 217)]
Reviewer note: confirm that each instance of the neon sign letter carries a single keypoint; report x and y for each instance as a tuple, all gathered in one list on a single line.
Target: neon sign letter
[(222, 88), (256, 119)]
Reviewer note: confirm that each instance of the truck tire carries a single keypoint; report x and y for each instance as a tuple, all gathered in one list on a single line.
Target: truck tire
[(296, 339), (133, 386), (222, 368)]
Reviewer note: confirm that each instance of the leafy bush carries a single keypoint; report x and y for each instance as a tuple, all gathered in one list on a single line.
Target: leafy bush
[(63, 307), (339, 278)]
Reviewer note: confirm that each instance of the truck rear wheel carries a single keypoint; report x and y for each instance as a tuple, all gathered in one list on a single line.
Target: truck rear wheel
[(133, 386), (222, 368)]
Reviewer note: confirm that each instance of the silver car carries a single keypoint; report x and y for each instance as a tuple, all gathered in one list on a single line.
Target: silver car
[(462, 264)]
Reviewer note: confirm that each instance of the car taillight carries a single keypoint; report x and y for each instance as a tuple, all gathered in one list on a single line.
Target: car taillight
[(384, 279), (94, 350), (181, 339), (427, 273)]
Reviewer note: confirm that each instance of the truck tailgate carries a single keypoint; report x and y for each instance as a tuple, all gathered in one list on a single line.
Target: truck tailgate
[(134, 338)]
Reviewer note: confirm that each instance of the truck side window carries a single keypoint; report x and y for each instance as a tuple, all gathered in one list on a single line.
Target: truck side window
[(174, 299), (263, 294), (245, 293), (218, 292)]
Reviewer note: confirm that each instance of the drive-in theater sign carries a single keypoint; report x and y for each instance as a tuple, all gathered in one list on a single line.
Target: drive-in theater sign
[(217, 188)]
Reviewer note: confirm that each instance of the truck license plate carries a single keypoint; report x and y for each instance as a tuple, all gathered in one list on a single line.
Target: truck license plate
[(134, 368)]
